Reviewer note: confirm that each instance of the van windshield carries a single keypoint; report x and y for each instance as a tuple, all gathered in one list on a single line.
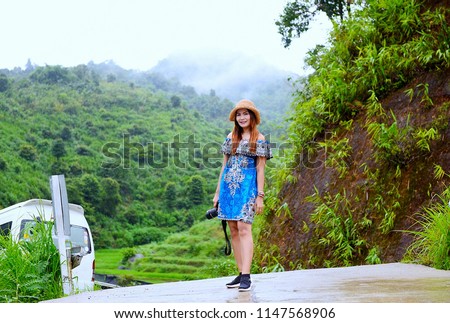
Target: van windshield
[(79, 236)]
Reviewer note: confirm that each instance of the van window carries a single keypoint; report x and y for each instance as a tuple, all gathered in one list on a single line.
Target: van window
[(26, 229), (5, 228), (79, 236)]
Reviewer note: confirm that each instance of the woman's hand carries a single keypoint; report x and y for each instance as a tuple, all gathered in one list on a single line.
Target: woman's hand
[(259, 205)]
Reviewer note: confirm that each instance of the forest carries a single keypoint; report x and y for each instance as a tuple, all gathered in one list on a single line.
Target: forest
[(140, 151)]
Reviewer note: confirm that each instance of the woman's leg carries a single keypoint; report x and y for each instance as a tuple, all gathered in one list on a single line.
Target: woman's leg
[(246, 246), (236, 243)]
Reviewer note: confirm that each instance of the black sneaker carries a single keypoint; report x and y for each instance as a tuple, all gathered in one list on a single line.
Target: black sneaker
[(246, 283), (235, 282)]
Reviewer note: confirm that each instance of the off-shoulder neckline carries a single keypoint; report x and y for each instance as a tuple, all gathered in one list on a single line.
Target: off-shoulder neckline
[(258, 140)]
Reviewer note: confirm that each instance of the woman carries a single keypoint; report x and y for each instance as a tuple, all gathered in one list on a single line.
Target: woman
[(240, 190)]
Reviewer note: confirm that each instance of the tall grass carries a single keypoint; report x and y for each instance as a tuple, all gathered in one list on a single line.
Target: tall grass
[(337, 227), (432, 243), (30, 269)]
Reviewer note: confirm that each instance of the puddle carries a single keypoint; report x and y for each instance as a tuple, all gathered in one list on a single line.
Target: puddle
[(433, 290)]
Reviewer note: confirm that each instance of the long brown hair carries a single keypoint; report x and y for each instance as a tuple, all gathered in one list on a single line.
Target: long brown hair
[(236, 136)]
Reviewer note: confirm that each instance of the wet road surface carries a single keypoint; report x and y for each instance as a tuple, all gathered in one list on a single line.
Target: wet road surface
[(386, 283)]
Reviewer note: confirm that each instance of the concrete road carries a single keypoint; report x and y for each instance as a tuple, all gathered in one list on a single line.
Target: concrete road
[(386, 283)]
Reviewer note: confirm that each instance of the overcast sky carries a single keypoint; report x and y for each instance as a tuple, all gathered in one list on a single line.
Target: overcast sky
[(136, 34)]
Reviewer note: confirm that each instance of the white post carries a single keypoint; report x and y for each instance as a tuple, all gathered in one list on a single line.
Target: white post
[(62, 224)]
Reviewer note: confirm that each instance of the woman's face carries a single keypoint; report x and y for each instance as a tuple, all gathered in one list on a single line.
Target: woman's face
[(243, 118)]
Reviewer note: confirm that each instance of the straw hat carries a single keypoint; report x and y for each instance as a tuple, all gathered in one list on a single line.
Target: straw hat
[(245, 104)]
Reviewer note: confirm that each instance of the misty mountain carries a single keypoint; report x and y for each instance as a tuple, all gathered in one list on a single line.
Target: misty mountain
[(233, 76)]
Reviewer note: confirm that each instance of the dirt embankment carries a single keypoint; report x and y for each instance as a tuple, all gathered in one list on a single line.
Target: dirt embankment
[(413, 187)]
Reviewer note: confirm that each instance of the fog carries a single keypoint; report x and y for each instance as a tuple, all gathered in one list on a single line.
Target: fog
[(230, 74)]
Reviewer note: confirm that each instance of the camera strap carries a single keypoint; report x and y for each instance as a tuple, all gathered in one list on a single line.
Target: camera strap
[(227, 249)]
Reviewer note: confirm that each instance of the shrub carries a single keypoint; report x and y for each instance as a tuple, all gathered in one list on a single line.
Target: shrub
[(3, 164), (30, 269), (432, 244), (28, 152)]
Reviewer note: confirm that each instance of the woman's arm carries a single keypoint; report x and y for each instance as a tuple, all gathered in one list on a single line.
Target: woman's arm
[(216, 196), (260, 167)]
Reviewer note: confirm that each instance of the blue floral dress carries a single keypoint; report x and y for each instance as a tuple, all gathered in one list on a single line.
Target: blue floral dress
[(238, 186)]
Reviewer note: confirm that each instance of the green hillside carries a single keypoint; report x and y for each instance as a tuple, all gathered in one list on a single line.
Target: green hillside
[(370, 174), (140, 155)]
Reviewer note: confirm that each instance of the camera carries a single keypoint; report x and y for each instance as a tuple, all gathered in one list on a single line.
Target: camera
[(211, 213)]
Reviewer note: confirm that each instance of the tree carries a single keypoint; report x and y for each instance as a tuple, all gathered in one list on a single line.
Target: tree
[(298, 14), (4, 83), (196, 190), (82, 72), (175, 100), (111, 197), (51, 75), (91, 190), (28, 152), (170, 194), (3, 164), (59, 149), (110, 78), (59, 167), (29, 67), (66, 133)]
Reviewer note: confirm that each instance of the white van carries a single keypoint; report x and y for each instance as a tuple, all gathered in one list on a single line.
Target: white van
[(18, 219)]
